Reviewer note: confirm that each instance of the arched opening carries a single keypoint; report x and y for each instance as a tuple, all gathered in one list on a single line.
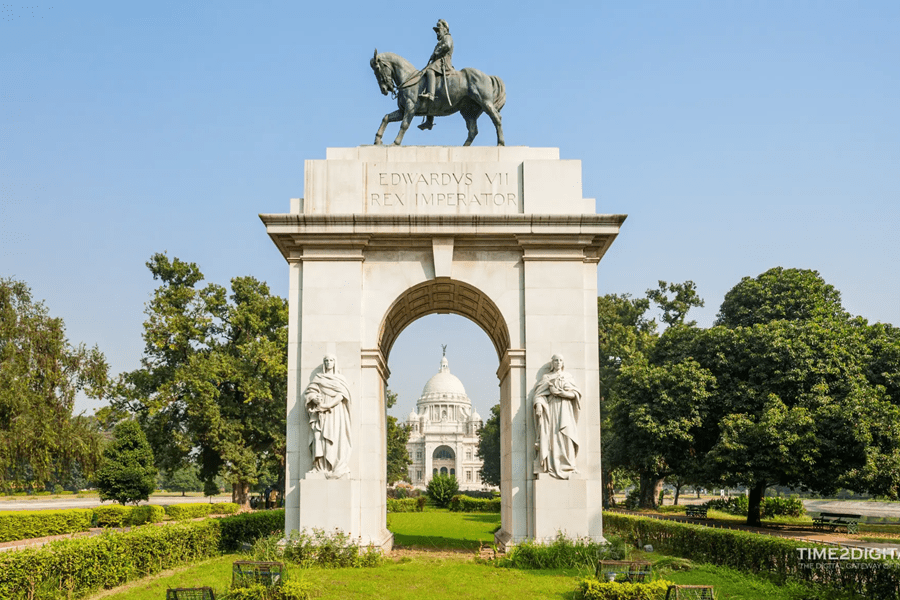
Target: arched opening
[(444, 295)]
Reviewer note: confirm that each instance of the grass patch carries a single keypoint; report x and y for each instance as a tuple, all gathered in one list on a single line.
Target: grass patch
[(440, 529), (215, 573)]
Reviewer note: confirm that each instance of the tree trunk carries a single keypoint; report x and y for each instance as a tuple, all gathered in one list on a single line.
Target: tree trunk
[(677, 493), (609, 498), (240, 495), (757, 491), (651, 483)]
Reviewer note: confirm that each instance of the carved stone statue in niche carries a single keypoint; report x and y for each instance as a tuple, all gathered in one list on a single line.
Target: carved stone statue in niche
[(557, 402), (328, 404)]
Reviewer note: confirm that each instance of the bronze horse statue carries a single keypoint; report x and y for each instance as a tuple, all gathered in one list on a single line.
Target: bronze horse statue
[(467, 91)]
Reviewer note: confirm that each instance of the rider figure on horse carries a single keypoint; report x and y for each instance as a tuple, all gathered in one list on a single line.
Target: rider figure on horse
[(438, 65)]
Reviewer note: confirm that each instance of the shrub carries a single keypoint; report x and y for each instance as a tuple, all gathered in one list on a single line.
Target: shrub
[(562, 553), (181, 512), (25, 524), (788, 507), (591, 588), (633, 499), (149, 513), (757, 553), (248, 527), (112, 516), (291, 589), (736, 505), (420, 502), (224, 508), (442, 488), (464, 503), (317, 548), (404, 505)]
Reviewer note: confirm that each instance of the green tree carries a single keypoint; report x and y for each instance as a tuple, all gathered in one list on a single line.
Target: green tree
[(127, 473), (488, 450), (398, 460), (40, 375), (649, 407), (213, 376), (183, 480), (800, 399)]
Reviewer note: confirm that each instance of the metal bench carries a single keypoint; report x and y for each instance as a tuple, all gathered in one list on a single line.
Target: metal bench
[(245, 573), (695, 511), (635, 571), (832, 521), (200, 593)]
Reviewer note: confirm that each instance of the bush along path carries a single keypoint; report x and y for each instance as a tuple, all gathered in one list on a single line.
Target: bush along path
[(868, 576), (19, 529), (74, 568)]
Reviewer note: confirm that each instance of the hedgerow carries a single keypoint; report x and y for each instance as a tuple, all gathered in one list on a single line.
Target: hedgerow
[(406, 504), (76, 567), (24, 524), (181, 512), (464, 503), (781, 558)]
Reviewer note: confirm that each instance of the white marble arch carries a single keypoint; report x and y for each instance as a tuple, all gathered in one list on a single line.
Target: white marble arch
[(386, 235)]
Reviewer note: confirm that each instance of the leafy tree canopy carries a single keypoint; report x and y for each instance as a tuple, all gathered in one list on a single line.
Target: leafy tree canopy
[(398, 460), (489, 448), (213, 376), (40, 376)]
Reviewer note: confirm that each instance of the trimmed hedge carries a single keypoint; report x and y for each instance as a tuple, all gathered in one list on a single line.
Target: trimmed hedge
[(148, 513), (591, 588), (406, 504), (756, 553), (464, 503), (25, 524), (181, 512), (115, 515), (77, 567), (224, 508)]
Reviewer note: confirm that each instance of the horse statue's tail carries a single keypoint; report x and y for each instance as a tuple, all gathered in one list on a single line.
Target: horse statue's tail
[(499, 92)]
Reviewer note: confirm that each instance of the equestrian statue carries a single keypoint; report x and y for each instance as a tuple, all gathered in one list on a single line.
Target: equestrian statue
[(437, 90)]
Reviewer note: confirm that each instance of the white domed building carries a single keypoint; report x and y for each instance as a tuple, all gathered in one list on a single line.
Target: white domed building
[(443, 433)]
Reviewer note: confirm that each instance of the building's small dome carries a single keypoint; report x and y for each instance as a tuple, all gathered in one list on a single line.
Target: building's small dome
[(413, 416), (444, 385), (474, 416)]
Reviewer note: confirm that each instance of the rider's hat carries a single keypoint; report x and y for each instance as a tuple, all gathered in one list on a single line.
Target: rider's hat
[(440, 23)]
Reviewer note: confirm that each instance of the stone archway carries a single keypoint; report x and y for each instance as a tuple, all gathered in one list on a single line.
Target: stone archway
[(386, 235)]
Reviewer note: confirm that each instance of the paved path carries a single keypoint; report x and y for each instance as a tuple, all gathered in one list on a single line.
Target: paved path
[(890, 510), (61, 502)]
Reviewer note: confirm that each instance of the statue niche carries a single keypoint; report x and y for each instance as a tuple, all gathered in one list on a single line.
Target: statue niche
[(328, 405), (557, 402)]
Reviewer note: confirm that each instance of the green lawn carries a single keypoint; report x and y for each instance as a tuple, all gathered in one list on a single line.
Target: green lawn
[(440, 528), (450, 572)]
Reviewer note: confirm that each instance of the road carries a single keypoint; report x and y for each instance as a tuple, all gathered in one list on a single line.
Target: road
[(57, 503)]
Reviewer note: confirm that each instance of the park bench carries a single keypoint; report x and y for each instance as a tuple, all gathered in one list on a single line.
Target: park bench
[(832, 521), (635, 571), (695, 511), (200, 593), (245, 573), (691, 592)]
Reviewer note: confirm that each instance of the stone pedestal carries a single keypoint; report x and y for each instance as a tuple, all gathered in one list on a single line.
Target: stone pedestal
[(500, 235)]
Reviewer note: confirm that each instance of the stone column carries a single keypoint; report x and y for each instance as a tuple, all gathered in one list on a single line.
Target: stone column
[(514, 443)]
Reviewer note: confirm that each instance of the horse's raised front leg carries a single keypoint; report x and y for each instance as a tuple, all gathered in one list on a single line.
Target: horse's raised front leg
[(408, 114), (494, 114), (388, 118)]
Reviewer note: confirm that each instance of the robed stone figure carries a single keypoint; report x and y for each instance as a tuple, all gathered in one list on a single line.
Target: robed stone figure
[(557, 402), (328, 405)]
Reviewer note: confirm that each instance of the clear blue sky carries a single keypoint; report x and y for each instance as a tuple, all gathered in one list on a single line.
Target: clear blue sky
[(737, 136)]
